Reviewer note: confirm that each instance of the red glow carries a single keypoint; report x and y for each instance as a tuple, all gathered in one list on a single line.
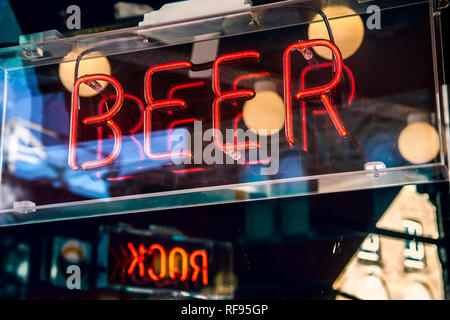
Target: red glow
[(197, 268), (138, 259), (247, 77), (131, 97), (216, 121), (175, 264), (173, 269), (188, 170), (231, 95), (113, 154), (161, 67), (334, 116), (162, 266), (105, 117), (164, 105), (311, 92), (176, 123), (185, 86), (119, 178), (227, 58), (316, 112), (261, 161), (236, 123)]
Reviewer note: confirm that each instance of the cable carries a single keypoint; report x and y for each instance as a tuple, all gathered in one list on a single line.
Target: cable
[(324, 18), (99, 46)]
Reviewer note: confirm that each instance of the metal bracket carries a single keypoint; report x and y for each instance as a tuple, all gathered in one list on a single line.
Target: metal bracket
[(377, 168), (24, 206)]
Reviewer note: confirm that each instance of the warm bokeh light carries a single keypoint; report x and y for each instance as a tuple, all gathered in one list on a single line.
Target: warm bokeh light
[(88, 65), (264, 114), (348, 31), (419, 142)]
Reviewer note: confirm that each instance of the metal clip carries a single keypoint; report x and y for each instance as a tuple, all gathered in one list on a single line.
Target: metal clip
[(24, 206), (376, 167)]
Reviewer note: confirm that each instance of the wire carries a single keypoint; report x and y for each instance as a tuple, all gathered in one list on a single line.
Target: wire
[(99, 46), (324, 18)]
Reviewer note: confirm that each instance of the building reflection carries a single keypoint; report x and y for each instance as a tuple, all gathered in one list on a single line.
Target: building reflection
[(392, 268)]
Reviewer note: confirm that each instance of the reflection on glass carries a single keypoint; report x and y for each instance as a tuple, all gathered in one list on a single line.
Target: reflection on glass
[(393, 268)]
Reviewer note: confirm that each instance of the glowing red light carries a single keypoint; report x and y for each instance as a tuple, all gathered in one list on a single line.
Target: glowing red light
[(162, 264), (188, 170), (131, 97), (122, 178), (228, 58), (164, 105), (216, 121), (138, 259), (333, 114), (316, 112), (176, 123), (173, 268), (105, 117), (236, 124), (185, 86), (197, 268), (174, 265), (115, 152), (311, 92), (231, 95), (247, 77)]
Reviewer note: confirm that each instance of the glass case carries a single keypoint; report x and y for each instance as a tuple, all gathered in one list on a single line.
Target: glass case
[(251, 104)]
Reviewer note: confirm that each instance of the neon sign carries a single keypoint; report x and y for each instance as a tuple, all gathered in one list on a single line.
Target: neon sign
[(173, 104), (140, 258), (168, 263)]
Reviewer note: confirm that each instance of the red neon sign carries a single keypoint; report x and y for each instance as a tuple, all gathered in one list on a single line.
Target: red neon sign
[(170, 104), (175, 264), (162, 265), (231, 95), (132, 131)]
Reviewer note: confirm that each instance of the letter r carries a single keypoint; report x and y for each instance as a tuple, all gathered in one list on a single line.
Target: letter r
[(321, 91)]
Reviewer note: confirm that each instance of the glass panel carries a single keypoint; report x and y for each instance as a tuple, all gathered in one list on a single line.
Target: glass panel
[(234, 107)]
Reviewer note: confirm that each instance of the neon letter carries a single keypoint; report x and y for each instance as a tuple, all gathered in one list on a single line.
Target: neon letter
[(220, 97), (102, 118), (184, 263), (196, 267), (312, 92), (166, 105), (302, 83), (162, 270), (137, 259)]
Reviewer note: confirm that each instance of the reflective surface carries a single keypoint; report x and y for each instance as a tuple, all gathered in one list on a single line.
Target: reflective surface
[(371, 129)]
